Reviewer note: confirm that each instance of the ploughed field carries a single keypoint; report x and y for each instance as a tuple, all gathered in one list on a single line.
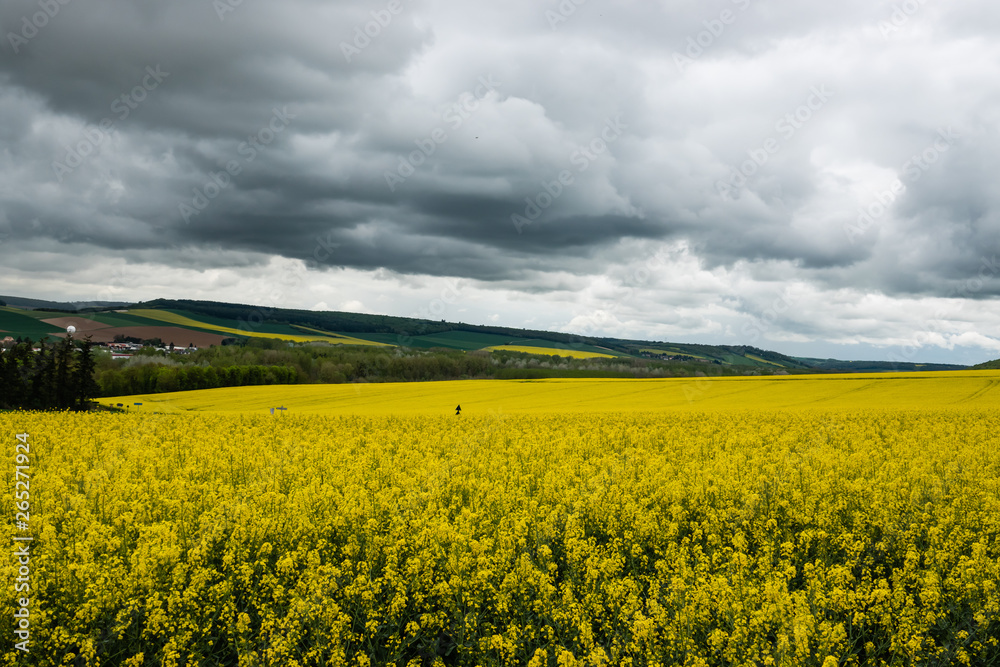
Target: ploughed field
[(836, 520)]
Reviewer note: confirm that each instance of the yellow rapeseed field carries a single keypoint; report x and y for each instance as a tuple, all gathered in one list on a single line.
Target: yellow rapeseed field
[(550, 351), (958, 390), (174, 318), (844, 520)]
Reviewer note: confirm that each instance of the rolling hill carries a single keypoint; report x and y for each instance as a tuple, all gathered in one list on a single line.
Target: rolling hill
[(212, 323)]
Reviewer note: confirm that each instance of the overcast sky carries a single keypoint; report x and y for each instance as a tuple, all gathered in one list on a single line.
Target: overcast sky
[(815, 178)]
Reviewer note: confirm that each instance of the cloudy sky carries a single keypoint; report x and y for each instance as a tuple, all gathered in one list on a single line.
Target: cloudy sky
[(816, 178)]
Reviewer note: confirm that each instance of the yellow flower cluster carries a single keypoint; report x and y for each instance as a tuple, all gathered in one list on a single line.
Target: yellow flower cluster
[(850, 537)]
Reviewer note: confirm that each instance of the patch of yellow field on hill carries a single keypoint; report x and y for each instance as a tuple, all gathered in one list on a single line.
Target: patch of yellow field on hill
[(174, 318), (763, 360), (345, 339), (529, 349), (945, 390)]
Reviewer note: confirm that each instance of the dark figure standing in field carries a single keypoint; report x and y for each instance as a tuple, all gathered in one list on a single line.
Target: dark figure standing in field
[(458, 410)]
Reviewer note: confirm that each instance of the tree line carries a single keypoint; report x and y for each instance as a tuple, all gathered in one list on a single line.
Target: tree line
[(151, 378), (48, 375), (270, 361), (263, 361), (68, 373)]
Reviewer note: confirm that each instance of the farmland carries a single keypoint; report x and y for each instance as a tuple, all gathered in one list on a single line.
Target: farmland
[(957, 390), (18, 322), (789, 521), (262, 331), (213, 323), (551, 351)]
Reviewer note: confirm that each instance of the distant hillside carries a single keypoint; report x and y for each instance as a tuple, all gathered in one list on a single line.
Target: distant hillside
[(417, 333), (61, 306), (177, 321), (877, 366), (988, 366), (354, 323)]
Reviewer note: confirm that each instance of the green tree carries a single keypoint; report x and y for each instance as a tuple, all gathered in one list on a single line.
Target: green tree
[(41, 369), (84, 381), (63, 359)]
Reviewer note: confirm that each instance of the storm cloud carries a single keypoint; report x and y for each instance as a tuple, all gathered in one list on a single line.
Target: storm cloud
[(807, 177)]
